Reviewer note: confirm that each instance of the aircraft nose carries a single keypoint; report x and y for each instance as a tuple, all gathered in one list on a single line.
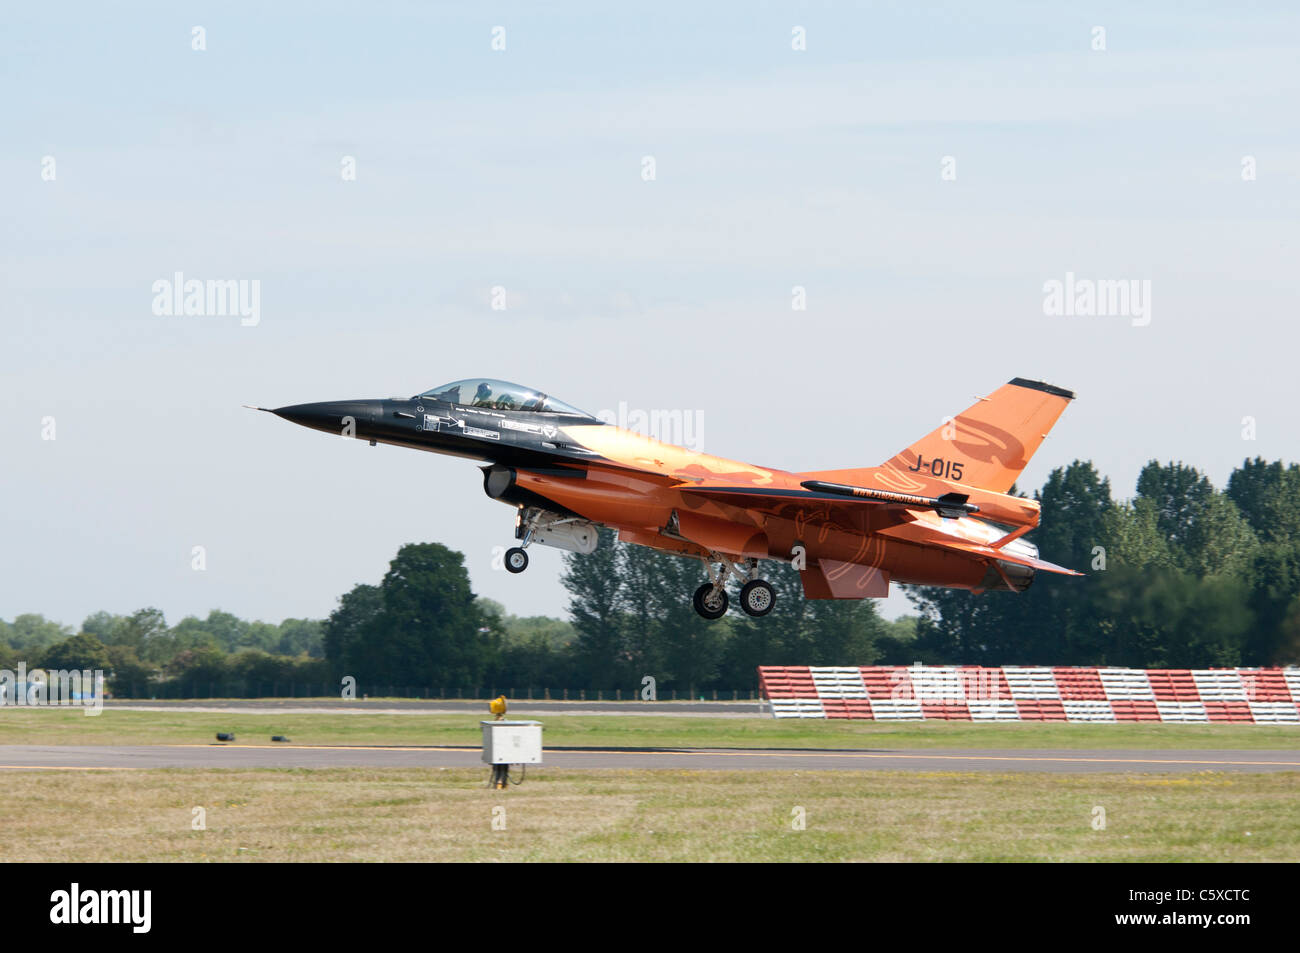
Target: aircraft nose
[(330, 416)]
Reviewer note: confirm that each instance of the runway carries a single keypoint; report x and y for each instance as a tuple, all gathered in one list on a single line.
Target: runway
[(1063, 761)]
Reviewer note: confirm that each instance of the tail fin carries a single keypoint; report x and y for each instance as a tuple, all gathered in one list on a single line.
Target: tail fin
[(987, 445)]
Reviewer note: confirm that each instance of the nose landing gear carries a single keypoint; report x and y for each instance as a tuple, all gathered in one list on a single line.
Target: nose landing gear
[(525, 523), (536, 525), (757, 597)]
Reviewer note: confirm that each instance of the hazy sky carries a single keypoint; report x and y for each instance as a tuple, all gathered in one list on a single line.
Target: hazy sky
[(523, 168)]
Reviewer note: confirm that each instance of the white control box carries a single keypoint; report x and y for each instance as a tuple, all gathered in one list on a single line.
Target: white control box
[(512, 742)]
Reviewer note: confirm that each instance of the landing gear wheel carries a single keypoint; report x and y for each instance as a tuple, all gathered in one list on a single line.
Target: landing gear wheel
[(516, 559), (709, 604), (757, 598)]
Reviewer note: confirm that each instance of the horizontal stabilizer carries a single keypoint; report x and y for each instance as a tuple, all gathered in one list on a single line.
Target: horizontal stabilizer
[(1001, 555)]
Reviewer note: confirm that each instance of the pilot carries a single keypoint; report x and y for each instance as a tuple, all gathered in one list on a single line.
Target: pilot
[(483, 396)]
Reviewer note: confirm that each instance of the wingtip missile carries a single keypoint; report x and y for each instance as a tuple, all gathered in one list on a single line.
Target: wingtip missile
[(950, 505)]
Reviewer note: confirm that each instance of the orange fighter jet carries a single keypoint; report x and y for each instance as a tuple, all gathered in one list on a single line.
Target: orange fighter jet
[(937, 513)]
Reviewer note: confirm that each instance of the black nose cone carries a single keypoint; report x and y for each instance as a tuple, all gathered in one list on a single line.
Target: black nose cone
[(331, 416)]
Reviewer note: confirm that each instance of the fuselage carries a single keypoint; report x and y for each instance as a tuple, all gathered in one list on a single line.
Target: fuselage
[(574, 464)]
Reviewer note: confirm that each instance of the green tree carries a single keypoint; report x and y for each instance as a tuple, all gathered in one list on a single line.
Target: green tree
[(228, 631), (557, 633), (1179, 494), (30, 633), (532, 662), (78, 652), (102, 626), (1167, 618), (430, 625), (420, 627), (1287, 651), (1220, 540), (302, 637), (262, 636), (535, 650), (189, 633), (347, 627), (1132, 538), (1275, 585), (199, 670), (1268, 496), (129, 676), (844, 631), (145, 631), (595, 584)]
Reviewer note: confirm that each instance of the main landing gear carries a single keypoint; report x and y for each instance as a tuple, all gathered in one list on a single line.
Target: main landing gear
[(756, 595), (711, 602)]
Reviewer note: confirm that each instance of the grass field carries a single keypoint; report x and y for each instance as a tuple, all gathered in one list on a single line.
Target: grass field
[(348, 814), (71, 726), (430, 814)]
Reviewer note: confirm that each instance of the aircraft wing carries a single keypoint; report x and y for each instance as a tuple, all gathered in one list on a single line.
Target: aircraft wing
[(904, 507)]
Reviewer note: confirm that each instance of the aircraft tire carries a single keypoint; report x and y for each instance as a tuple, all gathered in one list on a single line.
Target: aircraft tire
[(715, 610), (757, 598), (516, 560)]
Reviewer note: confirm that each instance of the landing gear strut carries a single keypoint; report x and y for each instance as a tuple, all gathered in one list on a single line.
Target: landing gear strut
[(756, 595), (525, 523)]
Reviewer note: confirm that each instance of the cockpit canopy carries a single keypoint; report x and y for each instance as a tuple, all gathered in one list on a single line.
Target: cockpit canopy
[(500, 395)]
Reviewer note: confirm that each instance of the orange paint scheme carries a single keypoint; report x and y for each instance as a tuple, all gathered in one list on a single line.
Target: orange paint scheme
[(847, 543), (937, 513)]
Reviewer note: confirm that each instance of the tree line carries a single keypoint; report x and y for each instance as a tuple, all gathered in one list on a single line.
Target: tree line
[(142, 656)]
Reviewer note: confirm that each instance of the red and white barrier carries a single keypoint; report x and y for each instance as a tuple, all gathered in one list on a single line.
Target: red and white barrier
[(1033, 693)]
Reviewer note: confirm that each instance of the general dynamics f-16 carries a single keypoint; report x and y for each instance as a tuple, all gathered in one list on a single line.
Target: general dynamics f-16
[(938, 513)]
